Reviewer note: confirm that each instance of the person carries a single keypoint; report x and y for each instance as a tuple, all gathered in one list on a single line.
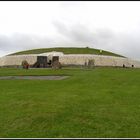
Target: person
[(27, 66)]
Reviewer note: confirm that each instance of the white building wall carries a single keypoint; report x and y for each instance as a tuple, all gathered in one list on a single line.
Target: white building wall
[(1, 61), (72, 59), (17, 60), (99, 60)]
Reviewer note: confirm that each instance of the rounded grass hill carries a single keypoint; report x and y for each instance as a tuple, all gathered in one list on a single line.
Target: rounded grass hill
[(68, 56), (68, 50)]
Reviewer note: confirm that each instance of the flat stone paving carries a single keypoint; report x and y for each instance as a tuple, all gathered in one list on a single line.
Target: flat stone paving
[(34, 77)]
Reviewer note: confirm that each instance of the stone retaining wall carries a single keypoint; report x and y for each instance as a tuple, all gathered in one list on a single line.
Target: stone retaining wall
[(72, 59), (17, 60), (100, 60)]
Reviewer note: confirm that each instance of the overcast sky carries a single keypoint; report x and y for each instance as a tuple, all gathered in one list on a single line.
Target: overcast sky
[(112, 26)]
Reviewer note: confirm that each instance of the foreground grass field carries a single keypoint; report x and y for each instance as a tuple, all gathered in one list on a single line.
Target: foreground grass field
[(103, 102)]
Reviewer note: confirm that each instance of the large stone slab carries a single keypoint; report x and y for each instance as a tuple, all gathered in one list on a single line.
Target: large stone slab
[(34, 77)]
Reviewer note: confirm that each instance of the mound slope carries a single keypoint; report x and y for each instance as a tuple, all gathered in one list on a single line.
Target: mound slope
[(69, 50)]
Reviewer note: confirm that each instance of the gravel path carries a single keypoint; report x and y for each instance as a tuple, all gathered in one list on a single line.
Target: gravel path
[(34, 77)]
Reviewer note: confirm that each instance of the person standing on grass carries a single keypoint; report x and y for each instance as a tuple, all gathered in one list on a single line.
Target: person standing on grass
[(27, 66)]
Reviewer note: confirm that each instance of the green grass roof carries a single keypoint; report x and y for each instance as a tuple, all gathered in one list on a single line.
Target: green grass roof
[(69, 50)]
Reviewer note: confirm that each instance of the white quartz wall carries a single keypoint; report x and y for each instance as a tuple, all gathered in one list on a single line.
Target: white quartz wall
[(99, 60), (17, 60), (72, 59)]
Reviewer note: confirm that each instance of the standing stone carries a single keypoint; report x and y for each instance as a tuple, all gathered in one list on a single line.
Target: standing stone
[(25, 64), (56, 65), (91, 63)]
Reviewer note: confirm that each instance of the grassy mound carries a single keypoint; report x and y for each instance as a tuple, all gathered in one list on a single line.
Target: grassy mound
[(68, 51)]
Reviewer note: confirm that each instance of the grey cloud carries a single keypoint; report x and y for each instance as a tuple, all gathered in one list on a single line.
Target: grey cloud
[(122, 43), (18, 42), (127, 44), (80, 34), (76, 33)]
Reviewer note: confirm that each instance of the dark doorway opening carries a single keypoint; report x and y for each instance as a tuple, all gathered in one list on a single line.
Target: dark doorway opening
[(55, 58), (41, 62)]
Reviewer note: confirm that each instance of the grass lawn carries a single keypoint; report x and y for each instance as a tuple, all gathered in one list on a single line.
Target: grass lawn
[(103, 102)]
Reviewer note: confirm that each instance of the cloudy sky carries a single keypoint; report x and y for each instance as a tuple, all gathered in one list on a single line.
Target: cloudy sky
[(112, 26)]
